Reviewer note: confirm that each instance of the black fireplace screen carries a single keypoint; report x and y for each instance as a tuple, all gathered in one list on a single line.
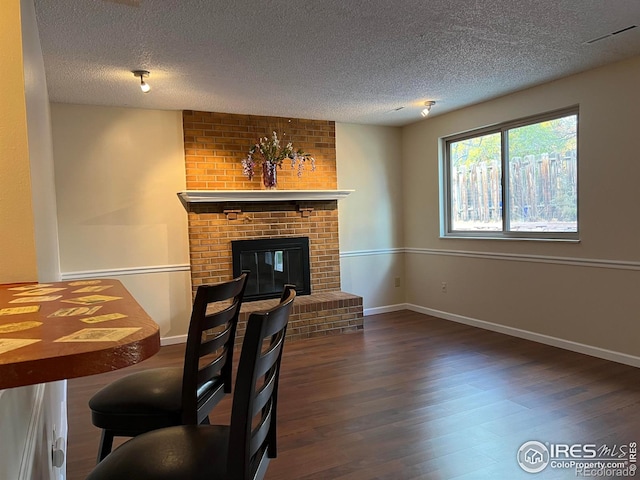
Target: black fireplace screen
[(272, 263)]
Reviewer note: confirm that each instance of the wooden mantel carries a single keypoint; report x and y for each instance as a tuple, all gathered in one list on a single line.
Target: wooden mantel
[(189, 197)]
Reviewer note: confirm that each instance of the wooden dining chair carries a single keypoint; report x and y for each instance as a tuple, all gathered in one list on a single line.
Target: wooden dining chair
[(240, 451), (164, 397)]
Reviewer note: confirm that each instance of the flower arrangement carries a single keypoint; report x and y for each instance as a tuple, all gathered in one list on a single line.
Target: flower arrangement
[(269, 153)]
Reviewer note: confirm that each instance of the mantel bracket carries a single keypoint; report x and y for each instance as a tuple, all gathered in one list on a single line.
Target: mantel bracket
[(232, 214)]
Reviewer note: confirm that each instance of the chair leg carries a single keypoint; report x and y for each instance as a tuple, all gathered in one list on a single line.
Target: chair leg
[(205, 421), (106, 444)]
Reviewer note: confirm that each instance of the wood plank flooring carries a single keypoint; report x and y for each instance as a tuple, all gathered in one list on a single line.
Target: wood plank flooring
[(416, 397)]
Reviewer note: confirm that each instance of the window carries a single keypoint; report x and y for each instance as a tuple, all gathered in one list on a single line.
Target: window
[(515, 180)]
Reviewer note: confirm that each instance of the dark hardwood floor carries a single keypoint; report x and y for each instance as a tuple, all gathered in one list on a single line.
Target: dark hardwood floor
[(416, 397)]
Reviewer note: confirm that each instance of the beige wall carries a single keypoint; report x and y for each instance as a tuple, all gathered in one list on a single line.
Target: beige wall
[(17, 237), (117, 172), (582, 292), (369, 161)]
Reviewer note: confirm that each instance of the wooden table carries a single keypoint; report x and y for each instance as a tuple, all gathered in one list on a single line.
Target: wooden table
[(65, 330)]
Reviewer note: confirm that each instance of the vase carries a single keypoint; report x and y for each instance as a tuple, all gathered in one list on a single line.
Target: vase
[(269, 175)]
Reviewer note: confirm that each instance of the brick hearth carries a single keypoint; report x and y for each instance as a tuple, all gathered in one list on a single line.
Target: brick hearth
[(313, 315)]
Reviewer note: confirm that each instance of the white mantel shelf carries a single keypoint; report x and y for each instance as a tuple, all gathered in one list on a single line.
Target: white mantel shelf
[(219, 196)]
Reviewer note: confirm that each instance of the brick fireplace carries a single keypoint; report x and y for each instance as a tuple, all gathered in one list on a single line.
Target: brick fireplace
[(214, 145)]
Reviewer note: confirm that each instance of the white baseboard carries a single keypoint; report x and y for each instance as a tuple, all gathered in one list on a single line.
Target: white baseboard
[(386, 309), (164, 341), (536, 337)]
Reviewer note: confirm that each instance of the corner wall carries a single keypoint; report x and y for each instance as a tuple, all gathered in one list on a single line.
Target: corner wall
[(40, 149), (370, 161)]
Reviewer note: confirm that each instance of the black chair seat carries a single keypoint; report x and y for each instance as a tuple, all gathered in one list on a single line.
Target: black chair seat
[(141, 401), (185, 452)]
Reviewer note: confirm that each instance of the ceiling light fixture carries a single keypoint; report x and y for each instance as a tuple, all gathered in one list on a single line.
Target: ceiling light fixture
[(427, 107), (144, 86)]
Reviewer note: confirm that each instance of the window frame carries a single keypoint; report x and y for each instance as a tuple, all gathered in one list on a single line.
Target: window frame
[(503, 128)]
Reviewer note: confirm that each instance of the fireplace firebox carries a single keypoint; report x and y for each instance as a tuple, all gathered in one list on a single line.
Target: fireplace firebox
[(272, 263)]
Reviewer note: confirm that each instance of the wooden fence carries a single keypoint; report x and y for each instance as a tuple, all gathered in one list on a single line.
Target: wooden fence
[(541, 188)]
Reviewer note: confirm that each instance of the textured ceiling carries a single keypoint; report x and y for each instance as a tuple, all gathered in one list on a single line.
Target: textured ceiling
[(354, 61)]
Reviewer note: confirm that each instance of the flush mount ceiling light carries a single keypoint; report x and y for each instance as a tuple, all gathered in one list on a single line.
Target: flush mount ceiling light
[(144, 86), (427, 107)]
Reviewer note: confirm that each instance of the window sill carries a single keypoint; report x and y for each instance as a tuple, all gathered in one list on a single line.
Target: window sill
[(517, 239)]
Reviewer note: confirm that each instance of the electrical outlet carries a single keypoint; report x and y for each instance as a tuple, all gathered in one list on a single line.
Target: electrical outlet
[(443, 287), (396, 281)]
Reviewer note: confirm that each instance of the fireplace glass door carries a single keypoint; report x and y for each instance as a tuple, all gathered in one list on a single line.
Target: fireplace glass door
[(272, 263)]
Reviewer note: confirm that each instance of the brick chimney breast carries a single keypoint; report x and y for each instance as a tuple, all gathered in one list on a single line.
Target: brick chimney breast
[(215, 144)]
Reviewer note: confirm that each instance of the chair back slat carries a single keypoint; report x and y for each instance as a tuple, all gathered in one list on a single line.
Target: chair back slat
[(264, 394), (220, 317), (212, 343), (259, 434), (224, 291), (198, 377), (256, 391), (212, 369), (268, 358)]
